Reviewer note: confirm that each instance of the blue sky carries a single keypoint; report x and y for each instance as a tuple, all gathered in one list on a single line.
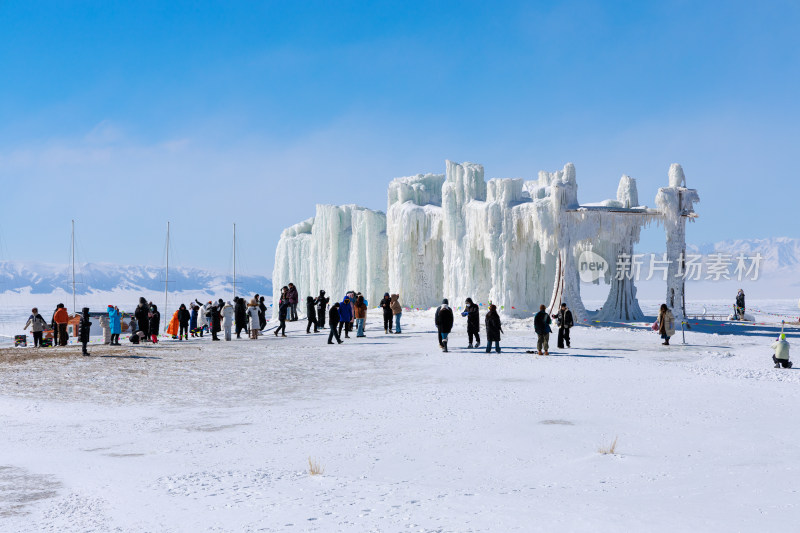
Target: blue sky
[(124, 115)]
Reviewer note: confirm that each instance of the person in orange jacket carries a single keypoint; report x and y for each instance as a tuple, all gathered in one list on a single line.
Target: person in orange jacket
[(172, 329), (61, 318)]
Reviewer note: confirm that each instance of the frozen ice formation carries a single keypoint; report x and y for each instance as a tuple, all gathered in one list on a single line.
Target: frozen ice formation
[(515, 243)]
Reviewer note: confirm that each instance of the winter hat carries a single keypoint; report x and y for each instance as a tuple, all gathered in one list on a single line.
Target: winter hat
[(445, 302), (385, 294), (783, 336), (469, 301), (85, 310), (322, 293)]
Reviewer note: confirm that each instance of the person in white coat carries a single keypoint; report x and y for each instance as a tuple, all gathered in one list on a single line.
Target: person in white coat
[(202, 317), (255, 323), (227, 319), (105, 324), (666, 324), (781, 356)]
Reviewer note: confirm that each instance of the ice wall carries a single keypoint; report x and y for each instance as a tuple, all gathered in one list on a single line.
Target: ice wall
[(341, 248), (414, 230)]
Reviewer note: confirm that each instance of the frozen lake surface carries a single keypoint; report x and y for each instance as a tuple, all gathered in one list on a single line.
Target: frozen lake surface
[(203, 436)]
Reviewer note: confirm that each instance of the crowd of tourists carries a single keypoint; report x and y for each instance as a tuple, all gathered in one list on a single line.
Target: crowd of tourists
[(342, 317)]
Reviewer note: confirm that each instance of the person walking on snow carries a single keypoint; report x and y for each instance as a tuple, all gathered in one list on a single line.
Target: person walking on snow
[(38, 324), (311, 315), (227, 319), (493, 329), (397, 311), (666, 324), (541, 325), (781, 356), (444, 323), (565, 322), (283, 311), (333, 320), (84, 330), (114, 324), (345, 316), (473, 314), (361, 315), (386, 305), (321, 302), (252, 312)]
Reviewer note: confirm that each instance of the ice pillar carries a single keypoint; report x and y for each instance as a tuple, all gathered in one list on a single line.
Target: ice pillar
[(676, 204)]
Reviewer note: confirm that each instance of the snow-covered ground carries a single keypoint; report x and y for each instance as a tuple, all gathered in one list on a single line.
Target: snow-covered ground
[(202, 436)]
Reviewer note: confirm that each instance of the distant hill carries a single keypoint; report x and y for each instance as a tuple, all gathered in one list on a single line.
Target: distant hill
[(44, 278)]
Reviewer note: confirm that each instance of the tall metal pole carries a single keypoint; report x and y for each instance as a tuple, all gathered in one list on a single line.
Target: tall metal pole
[(72, 250), (234, 259), (166, 283)]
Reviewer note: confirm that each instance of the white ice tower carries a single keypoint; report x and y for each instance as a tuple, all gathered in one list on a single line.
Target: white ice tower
[(511, 242), (676, 204)]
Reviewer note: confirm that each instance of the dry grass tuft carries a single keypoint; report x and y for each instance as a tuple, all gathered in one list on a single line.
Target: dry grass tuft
[(611, 450), (314, 468)]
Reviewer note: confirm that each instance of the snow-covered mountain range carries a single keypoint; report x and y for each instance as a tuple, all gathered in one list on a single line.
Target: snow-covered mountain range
[(779, 254), (44, 278)]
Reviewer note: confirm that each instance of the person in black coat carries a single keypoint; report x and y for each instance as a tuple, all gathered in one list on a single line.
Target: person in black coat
[(333, 320), (262, 314), (565, 323), (54, 327), (321, 302), (739, 307), (493, 329), (214, 320), (142, 314), (283, 310), (84, 330), (541, 325), (239, 315), (155, 322), (444, 323), (473, 314), (386, 305), (183, 322), (311, 315)]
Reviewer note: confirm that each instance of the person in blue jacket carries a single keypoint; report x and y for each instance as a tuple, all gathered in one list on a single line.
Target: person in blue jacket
[(193, 319), (345, 317), (114, 324)]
